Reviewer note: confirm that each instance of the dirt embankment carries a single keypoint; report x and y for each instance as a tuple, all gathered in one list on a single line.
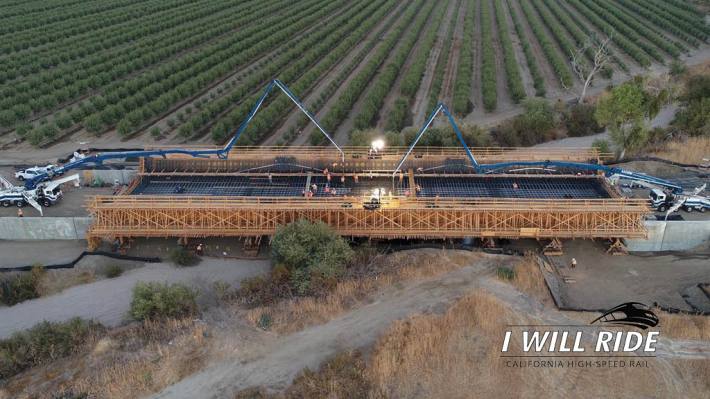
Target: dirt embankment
[(460, 354)]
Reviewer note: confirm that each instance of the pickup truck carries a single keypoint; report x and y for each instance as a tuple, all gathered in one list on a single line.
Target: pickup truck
[(29, 173)]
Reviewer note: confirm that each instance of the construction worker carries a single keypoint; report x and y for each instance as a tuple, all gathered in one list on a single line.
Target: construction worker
[(20, 213), (515, 186), (271, 178), (574, 263), (199, 250)]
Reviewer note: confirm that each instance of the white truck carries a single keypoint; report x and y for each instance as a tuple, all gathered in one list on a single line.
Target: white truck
[(663, 201), (45, 194), (29, 173)]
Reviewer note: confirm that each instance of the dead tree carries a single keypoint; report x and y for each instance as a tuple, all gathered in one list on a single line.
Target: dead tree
[(601, 57)]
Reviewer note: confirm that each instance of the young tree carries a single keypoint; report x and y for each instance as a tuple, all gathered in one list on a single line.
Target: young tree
[(602, 56), (625, 111)]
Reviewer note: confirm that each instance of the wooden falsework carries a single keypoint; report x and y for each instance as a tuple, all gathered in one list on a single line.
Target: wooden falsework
[(399, 217)]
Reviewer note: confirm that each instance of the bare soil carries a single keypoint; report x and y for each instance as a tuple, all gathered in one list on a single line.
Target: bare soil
[(278, 361), (275, 366), (646, 278), (476, 94), (520, 56), (421, 99), (395, 91), (552, 82), (447, 89)]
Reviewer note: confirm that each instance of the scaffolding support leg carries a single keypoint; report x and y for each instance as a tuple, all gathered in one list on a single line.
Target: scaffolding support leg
[(93, 243), (617, 248), (554, 248)]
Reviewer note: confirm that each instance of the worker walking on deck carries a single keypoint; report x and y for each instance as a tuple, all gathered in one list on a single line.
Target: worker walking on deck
[(20, 213), (573, 263)]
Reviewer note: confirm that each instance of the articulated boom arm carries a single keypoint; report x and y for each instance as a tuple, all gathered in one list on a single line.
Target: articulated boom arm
[(506, 166), (439, 108), (223, 153), (608, 171)]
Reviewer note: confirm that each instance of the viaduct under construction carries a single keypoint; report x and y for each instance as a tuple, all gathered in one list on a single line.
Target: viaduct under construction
[(361, 193), (374, 192)]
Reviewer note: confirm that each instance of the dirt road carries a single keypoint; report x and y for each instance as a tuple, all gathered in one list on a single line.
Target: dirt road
[(107, 301), (275, 365), (278, 364)]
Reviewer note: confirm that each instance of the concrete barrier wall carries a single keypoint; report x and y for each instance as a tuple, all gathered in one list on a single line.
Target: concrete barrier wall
[(44, 228), (672, 236), (124, 176)]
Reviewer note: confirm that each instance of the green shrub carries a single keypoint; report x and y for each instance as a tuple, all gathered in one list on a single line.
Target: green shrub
[(602, 145), (312, 252), (678, 68), (155, 132), (21, 287), (697, 88), (35, 137), (112, 271), (264, 321), (63, 121), (180, 256), (43, 343), (580, 121), (505, 273), (22, 129), (153, 301), (695, 118)]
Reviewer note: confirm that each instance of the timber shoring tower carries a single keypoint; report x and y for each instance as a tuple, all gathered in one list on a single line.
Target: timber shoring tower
[(436, 195)]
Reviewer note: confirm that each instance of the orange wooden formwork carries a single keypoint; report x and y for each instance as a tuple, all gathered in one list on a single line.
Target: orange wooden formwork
[(399, 217)]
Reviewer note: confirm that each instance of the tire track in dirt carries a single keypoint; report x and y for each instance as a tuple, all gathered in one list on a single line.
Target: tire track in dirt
[(421, 99), (447, 90), (296, 113)]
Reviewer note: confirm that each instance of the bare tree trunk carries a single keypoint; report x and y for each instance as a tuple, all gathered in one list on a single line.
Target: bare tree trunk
[(601, 59)]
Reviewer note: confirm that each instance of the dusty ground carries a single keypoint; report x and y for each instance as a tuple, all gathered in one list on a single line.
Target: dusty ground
[(107, 301), (603, 281), (276, 362)]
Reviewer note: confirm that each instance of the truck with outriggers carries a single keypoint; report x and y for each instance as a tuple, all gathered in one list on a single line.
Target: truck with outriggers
[(664, 201), (44, 194)]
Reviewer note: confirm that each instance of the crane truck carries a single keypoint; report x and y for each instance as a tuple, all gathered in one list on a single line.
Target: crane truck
[(664, 201), (44, 194)]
